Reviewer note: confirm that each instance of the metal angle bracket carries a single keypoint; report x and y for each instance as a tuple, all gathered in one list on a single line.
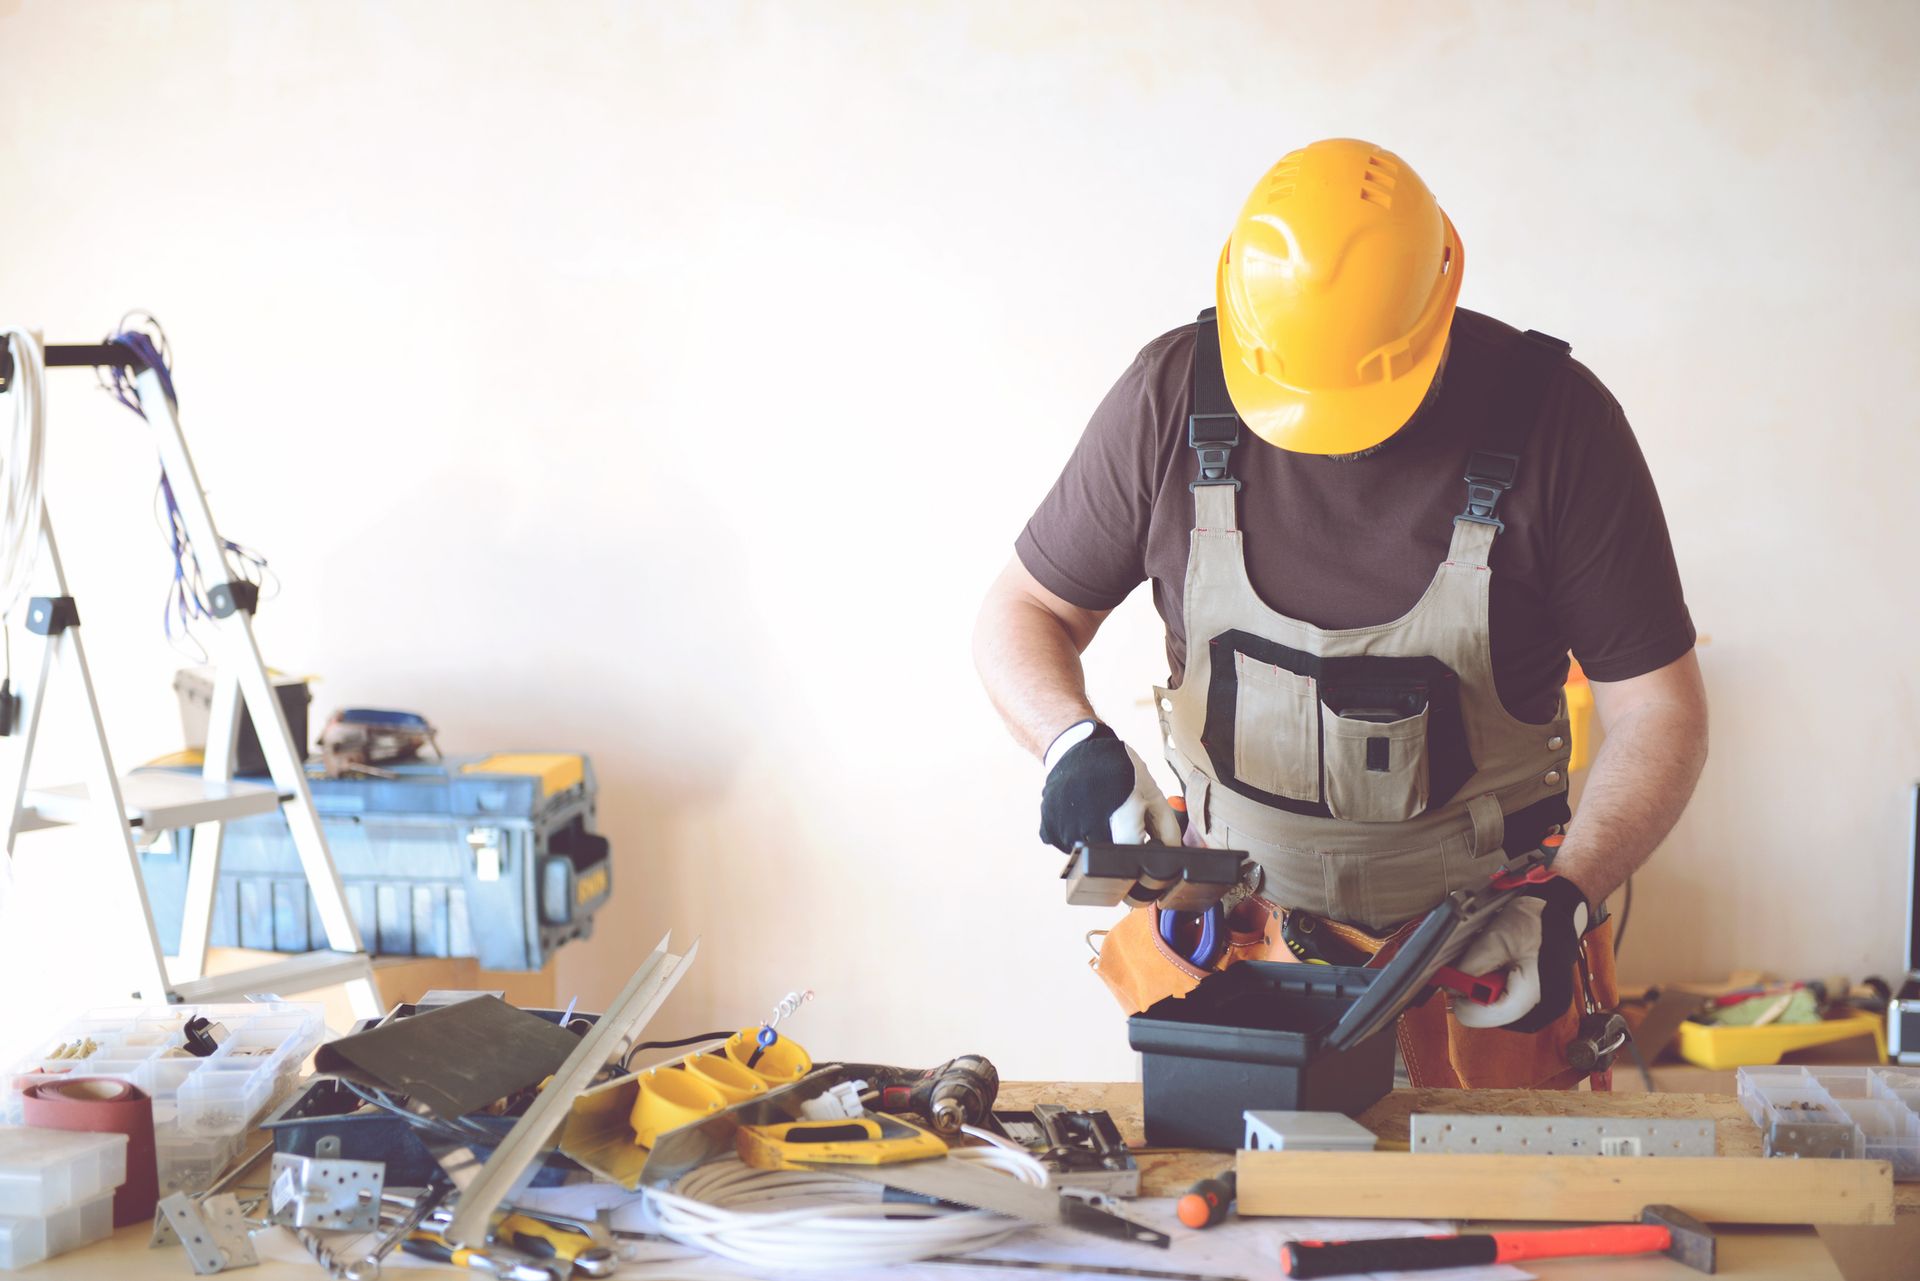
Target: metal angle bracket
[(213, 1231), (307, 1192), (1560, 1135)]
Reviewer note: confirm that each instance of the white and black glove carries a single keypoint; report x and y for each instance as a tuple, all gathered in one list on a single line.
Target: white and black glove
[(1536, 939), (1098, 789)]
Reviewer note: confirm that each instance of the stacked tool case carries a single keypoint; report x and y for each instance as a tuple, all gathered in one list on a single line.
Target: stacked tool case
[(493, 857)]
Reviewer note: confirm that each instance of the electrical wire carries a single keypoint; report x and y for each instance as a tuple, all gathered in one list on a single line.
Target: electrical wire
[(22, 498), (187, 600), (1626, 914), (779, 1220), (455, 1131), (626, 1060)]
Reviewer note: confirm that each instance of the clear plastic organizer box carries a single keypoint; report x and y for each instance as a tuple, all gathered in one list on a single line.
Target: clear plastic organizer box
[(26, 1240), (202, 1107), (1859, 1112)]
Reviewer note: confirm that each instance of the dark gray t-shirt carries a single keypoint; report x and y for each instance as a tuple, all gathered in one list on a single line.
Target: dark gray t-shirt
[(1585, 564)]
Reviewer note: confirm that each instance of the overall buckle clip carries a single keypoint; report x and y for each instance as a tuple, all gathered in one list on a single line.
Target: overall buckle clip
[(1213, 437)]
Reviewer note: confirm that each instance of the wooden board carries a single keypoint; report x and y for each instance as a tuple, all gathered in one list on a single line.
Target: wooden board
[(1407, 1185)]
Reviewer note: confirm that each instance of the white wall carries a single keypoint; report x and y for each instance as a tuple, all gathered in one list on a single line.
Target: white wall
[(667, 381)]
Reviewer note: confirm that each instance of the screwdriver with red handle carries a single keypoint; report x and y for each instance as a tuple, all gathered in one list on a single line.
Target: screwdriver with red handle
[(1662, 1230)]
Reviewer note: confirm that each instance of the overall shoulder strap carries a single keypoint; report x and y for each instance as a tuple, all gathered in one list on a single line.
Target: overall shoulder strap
[(1494, 468), (1213, 430)]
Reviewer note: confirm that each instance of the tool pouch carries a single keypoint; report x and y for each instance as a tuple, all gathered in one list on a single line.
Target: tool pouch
[(1139, 968), (1439, 1052)]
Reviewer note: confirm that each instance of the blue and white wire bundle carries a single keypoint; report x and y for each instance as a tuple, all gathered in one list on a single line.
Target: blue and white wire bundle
[(187, 601)]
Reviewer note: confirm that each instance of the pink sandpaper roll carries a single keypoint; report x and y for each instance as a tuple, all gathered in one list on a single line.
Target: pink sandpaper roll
[(103, 1105)]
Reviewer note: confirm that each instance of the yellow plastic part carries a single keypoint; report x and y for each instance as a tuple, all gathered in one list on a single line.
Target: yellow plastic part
[(557, 771), (1709, 1046), (735, 1082), (1580, 718), (539, 1237), (862, 1140), (1336, 293), (668, 1099), (783, 1063)]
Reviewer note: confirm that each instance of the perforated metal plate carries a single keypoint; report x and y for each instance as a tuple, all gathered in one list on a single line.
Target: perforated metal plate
[(1561, 1135)]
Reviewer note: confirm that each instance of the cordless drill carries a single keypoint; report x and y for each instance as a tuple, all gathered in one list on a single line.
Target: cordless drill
[(959, 1092)]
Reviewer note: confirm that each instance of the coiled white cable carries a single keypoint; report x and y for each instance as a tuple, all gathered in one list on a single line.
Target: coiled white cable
[(792, 1219), (21, 497)]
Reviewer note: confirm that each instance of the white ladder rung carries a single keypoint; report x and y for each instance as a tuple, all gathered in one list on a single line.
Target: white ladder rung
[(295, 974), (158, 800)]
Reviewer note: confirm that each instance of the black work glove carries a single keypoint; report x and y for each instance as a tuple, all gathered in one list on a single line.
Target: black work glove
[(1098, 789)]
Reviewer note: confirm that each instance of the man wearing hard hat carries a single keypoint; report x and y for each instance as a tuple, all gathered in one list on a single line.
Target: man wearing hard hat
[(1367, 651)]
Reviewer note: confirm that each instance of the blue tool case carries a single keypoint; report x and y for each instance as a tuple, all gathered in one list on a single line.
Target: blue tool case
[(493, 857)]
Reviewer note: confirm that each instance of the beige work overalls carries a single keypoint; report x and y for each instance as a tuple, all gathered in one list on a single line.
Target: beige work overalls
[(1369, 771)]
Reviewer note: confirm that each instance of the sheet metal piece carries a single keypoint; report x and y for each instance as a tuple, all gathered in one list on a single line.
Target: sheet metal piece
[(1561, 1135), (512, 1164), (452, 1059), (212, 1230), (948, 1180)]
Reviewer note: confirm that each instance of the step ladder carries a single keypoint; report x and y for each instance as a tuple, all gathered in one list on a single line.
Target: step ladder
[(118, 812)]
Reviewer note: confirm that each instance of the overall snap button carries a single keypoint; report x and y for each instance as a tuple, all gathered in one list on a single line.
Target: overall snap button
[(1555, 743), (1552, 778)]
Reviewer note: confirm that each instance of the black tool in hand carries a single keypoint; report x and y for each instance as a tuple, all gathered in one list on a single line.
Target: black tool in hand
[(1661, 1230)]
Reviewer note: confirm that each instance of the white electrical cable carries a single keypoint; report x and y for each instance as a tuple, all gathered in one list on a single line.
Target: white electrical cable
[(791, 1219), (21, 497)]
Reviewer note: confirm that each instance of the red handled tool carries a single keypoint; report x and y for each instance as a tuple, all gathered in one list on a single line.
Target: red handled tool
[(1481, 989), (1661, 1230)]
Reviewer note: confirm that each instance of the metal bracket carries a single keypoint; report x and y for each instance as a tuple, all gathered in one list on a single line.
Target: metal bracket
[(1560, 1135), (1083, 1151), (213, 1231), (308, 1192), (1820, 1140)]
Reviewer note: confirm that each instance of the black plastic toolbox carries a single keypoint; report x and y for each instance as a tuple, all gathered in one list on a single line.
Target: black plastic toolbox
[(1253, 1036)]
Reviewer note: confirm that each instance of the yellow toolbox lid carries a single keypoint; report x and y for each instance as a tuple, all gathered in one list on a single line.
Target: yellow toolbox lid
[(557, 771)]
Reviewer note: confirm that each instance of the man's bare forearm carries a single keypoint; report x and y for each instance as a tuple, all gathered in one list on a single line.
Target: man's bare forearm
[(1029, 661), (1641, 781)]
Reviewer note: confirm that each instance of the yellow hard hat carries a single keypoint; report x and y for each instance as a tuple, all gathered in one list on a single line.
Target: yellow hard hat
[(1336, 292)]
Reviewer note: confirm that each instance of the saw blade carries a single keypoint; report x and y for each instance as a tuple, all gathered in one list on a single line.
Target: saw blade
[(949, 1180)]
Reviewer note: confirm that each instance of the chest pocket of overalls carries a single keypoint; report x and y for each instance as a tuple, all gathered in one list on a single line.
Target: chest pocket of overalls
[(1363, 738)]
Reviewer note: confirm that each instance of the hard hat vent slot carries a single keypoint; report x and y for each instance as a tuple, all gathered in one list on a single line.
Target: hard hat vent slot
[(1280, 181), (1377, 181)]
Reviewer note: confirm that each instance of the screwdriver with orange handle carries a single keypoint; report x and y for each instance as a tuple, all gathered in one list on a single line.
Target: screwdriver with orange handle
[(1207, 1202)]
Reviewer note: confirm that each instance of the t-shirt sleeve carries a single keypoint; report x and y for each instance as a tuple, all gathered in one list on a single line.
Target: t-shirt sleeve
[(1616, 592), (1087, 541)]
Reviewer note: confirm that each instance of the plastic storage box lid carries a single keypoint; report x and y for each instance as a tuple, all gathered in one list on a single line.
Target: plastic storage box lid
[(45, 1171), (1235, 1015)]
